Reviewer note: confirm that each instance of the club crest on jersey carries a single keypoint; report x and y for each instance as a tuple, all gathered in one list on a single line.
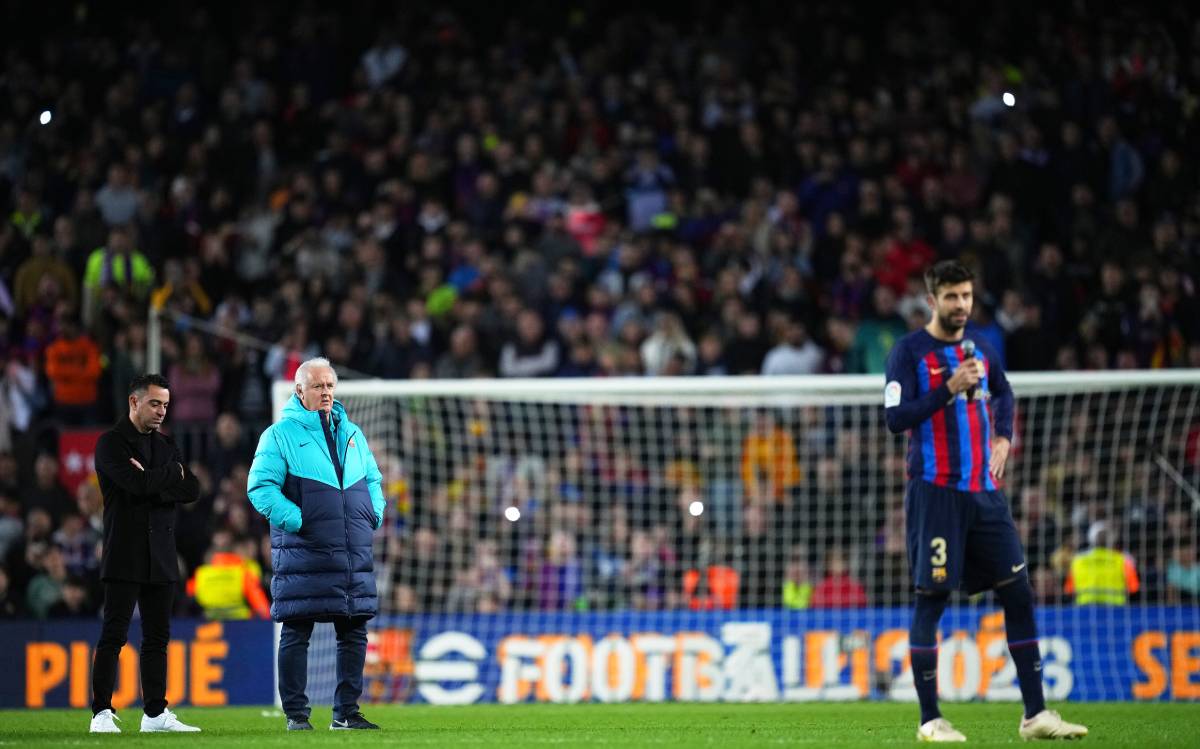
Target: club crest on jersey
[(939, 574), (350, 443)]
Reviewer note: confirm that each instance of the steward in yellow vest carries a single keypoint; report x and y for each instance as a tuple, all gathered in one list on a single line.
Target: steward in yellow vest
[(228, 587), (1102, 575)]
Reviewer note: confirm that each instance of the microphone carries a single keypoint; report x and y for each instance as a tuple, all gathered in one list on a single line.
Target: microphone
[(968, 348)]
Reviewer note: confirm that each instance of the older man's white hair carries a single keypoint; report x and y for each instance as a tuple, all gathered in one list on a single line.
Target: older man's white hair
[(303, 372)]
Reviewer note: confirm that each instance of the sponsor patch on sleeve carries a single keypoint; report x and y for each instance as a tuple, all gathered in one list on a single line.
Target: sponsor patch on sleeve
[(891, 394)]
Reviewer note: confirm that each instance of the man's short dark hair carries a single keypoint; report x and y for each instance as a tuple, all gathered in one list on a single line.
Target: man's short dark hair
[(142, 383), (946, 273)]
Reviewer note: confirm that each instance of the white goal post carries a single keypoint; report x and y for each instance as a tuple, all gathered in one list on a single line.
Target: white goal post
[(742, 538)]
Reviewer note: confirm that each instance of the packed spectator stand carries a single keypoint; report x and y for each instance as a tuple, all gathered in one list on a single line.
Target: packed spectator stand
[(578, 190)]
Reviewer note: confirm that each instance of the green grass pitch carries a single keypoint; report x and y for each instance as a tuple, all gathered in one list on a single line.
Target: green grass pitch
[(662, 725)]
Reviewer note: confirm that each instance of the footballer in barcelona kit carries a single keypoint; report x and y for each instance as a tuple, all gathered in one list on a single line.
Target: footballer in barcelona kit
[(950, 394)]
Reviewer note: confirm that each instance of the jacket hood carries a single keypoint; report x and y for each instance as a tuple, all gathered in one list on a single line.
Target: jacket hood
[(294, 410)]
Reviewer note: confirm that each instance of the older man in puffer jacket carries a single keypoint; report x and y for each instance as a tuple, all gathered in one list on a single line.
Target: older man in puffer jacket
[(315, 480)]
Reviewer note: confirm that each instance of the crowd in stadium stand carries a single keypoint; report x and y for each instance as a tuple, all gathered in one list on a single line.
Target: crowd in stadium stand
[(459, 191)]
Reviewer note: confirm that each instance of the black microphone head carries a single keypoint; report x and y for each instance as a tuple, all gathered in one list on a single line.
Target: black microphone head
[(968, 347)]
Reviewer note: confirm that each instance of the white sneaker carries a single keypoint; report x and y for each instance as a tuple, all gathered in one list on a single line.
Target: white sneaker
[(1049, 725), (939, 730), (167, 722), (102, 722)]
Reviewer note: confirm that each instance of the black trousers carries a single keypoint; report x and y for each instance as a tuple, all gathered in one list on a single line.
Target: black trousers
[(154, 602), (293, 666)]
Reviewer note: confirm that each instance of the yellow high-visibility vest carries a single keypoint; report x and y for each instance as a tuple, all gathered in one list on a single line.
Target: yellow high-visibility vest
[(797, 595), (219, 591), (1099, 576)]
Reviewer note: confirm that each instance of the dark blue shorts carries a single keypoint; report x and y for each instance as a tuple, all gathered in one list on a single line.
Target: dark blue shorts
[(960, 539)]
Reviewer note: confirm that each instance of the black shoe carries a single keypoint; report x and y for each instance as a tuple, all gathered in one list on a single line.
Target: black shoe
[(299, 724), (354, 722)]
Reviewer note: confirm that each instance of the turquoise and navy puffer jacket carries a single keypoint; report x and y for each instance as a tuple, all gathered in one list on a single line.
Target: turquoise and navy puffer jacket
[(320, 530)]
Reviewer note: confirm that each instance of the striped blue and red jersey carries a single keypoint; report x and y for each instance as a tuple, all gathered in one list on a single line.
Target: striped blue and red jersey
[(949, 436)]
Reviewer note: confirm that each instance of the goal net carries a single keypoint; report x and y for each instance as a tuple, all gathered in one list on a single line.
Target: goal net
[(743, 539)]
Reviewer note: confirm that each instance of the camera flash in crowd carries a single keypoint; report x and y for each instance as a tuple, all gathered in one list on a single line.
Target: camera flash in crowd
[(45, 117), (1009, 99), (696, 508), (512, 514)]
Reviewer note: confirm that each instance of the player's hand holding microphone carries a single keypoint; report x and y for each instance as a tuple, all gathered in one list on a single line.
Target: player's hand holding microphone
[(968, 374)]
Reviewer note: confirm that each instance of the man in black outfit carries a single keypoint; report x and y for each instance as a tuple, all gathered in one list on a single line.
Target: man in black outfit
[(142, 477)]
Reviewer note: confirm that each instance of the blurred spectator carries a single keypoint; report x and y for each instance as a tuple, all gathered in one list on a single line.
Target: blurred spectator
[(10, 479), (795, 354), (1125, 168), (645, 576), (877, 334), (229, 586), (27, 216), (905, 255), (46, 587), (44, 279), (385, 59), (484, 587), (715, 587), (195, 382), (647, 183), (79, 543), (1026, 346), (126, 360), (768, 465), (892, 579), (75, 602), (182, 291), (711, 356), (745, 352), (533, 353), (24, 559), (231, 446), (11, 527), (73, 367), (11, 607), (838, 589), (608, 559), (115, 266), (669, 340), (421, 568), (293, 348), (396, 353), (1183, 573), (117, 199), (90, 505), (1102, 575), (1046, 586), (1038, 527), (462, 360), (48, 493), (20, 397), (758, 558), (797, 581), (559, 577)]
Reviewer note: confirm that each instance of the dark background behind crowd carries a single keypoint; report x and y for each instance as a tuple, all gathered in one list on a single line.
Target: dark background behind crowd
[(585, 189)]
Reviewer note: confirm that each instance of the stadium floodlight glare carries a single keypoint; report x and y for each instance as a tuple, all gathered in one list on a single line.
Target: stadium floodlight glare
[(1009, 99)]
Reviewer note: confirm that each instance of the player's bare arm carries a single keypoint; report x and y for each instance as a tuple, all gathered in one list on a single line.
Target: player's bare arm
[(1000, 448)]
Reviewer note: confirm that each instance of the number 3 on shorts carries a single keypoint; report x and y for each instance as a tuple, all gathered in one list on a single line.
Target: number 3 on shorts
[(939, 552)]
